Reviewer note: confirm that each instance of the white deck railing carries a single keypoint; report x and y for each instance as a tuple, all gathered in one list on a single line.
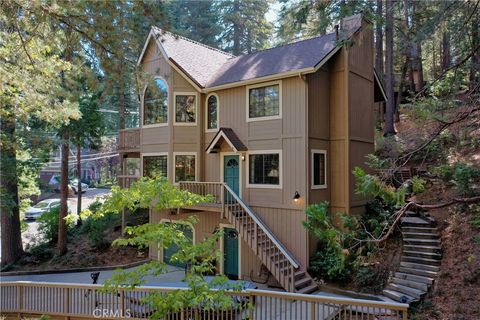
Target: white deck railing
[(90, 301)]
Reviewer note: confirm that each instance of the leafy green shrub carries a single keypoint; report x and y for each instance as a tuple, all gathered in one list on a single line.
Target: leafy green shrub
[(418, 185), (48, 224), (42, 252), (328, 263), (463, 175), (96, 227)]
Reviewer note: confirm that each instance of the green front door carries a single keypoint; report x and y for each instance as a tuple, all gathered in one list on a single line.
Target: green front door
[(230, 249), (231, 172), (171, 250)]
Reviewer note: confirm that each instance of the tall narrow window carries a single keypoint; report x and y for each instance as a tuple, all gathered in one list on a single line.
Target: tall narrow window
[(264, 101), (212, 112), (155, 166), (319, 169), (185, 108), (185, 167), (264, 169), (155, 103)]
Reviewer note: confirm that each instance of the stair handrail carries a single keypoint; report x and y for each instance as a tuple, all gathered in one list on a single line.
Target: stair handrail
[(265, 229)]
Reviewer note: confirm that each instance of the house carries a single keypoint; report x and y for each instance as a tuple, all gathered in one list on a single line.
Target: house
[(267, 133)]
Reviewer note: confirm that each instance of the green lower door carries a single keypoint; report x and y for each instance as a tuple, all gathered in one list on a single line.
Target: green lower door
[(230, 247), (170, 251)]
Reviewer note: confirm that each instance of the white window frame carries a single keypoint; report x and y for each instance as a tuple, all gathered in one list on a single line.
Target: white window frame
[(260, 85), (154, 154), (143, 106), (124, 168), (175, 154), (181, 93), (280, 170), (312, 156), (206, 113)]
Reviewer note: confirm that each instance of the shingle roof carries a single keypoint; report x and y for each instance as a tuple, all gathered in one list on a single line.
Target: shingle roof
[(228, 135), (294, 56), (210, 67), (198, 61)]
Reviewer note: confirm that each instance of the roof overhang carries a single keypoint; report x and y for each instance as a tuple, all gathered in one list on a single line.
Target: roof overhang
[(229, 136)]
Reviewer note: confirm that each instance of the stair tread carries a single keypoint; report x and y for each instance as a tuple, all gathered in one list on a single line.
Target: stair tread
[(415, 220), (399, 295), (418, 272), (413, 265), (422, 240), (412, 291), (419, 234), (426, 253), (403, 275), (420, 228), (420, 259), (420, 247), (302, 281), (311, 288)]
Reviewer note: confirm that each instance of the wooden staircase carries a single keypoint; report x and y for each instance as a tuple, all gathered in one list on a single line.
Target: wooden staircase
[(420, 262), (281, 263)]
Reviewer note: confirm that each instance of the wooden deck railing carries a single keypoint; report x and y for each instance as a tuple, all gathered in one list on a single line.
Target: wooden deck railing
[(129, 140), (126, 181), (90, 301)]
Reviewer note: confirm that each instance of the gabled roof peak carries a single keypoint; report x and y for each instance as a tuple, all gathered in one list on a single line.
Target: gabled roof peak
[(162, 31)]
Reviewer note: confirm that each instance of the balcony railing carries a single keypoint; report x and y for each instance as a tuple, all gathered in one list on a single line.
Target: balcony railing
[(129, 140), (90, 301)]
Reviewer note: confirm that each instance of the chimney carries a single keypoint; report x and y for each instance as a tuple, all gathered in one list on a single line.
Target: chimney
[(349, 25)]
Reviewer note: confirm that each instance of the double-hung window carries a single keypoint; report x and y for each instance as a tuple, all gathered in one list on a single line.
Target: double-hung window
[(264, 101), (185, 167), (265, 169), (155, 166), (155, 103), (319, 169)]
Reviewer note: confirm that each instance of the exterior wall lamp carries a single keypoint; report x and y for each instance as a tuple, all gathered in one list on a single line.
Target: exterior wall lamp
[(296, 196), (243, 157)]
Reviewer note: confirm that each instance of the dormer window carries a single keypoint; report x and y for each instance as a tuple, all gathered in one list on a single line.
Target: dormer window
[(212, 112), (155, 103)]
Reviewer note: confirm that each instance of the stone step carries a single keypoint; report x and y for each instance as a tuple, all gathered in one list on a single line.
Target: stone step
[(419, 229), (416, 235), (432, 262), (412, 292), (419, 272), (413, 247), (398, 296), (411, 284), (423, 242), (423, 254), (419, 266), (311, 288), (412, 277)]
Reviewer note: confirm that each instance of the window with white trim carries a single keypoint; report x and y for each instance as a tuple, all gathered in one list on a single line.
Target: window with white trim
[(319, 169), (155, 103), (131, 166), (155, 166), (264, 169), (264, 101), (185, 108), (212, 112), (185, 167)]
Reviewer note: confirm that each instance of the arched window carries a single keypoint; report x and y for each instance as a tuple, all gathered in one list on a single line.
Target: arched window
[(155, 103), (212, 112)]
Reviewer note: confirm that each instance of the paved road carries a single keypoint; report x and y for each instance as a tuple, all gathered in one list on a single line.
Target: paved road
[(30, 236)]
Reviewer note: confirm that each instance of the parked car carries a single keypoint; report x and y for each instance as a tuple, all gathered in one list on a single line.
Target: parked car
[(73, 184), (37, 210)]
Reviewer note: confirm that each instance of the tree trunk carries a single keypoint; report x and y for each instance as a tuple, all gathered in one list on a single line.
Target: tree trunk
[(401, 89), (79, 177), (62, 226), (121, 100), (236, 28), (379, 41), (475, 60), (11, 236), (417, 57), (445, 51), (390, 104)]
